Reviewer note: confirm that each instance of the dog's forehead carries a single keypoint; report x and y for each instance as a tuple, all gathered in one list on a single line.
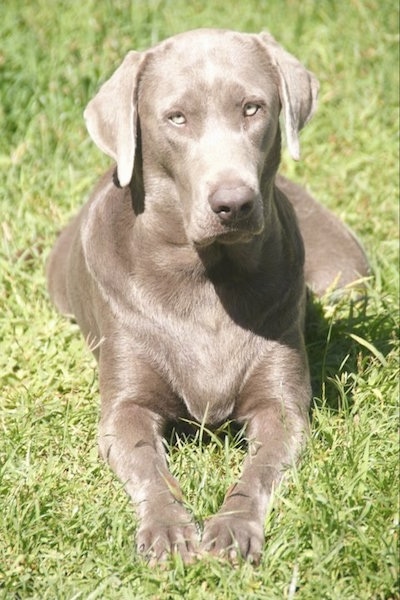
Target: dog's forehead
[(206, 55), (208, 46), (201, 42)]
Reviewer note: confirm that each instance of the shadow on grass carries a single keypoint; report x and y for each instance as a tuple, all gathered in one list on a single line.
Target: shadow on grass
[(336, 343)]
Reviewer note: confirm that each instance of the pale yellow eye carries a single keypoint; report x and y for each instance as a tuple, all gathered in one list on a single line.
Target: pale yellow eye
[(250, 109), (178, 119)]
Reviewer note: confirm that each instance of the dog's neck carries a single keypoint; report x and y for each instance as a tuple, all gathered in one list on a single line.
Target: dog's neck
[(231, 262)]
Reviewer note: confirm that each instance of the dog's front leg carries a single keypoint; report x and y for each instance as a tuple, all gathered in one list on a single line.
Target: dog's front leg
[(277, 418), (130, 439)]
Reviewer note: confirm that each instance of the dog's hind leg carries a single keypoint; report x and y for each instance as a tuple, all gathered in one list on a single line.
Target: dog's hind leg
[(334, 258)]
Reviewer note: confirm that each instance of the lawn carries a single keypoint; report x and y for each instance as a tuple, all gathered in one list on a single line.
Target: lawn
[(66, 526)]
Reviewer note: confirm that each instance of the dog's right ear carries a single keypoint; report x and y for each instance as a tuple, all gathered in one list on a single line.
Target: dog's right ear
[(111, 116)]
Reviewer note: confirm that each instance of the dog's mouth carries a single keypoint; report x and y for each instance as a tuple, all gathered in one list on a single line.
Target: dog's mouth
[(212, 228), (235, 237), (228, 238)]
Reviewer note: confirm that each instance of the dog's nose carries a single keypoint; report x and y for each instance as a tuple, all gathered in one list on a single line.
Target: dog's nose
[(232, 203)]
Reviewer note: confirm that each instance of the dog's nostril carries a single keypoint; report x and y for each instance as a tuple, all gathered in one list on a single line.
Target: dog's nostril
[(222, 209)]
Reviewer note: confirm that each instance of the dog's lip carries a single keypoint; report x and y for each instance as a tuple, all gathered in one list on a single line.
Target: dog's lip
[(205, 232), (227, 238), (235, 237)]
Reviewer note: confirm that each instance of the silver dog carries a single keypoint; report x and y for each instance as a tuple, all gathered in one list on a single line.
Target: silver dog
[(186, 271)]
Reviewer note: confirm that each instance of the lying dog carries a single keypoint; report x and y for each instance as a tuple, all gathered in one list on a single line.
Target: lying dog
[(186, 272)]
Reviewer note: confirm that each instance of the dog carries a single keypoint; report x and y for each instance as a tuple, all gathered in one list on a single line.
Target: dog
[(187, 271)]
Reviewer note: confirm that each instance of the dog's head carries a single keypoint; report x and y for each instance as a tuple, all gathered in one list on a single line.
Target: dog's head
[(206, 104)]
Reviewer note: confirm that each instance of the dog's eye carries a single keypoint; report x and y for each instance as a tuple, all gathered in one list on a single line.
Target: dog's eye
[(250, 109), (177, 118)]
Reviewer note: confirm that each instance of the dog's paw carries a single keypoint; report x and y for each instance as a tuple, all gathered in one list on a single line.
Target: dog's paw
[(162, 535), (233, 537)]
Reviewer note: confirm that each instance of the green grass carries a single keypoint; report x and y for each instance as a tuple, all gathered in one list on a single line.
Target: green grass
[(66, 527)]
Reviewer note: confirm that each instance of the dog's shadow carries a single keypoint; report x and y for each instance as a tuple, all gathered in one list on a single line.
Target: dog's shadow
[(339, 334)]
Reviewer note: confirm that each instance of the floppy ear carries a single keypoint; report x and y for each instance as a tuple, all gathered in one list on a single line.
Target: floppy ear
[(298, 91), (111, 116)]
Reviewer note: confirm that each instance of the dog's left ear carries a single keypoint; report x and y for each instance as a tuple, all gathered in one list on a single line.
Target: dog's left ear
[(111, 116), (298, 90)]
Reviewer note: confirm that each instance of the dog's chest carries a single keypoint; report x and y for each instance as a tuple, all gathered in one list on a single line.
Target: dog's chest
[(205, 357)]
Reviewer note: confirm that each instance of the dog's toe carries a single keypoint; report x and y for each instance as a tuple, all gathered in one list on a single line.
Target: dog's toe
[(233, 538), (156, 541)]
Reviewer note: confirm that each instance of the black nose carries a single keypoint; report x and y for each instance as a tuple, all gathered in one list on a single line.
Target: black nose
[(232, 203)]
